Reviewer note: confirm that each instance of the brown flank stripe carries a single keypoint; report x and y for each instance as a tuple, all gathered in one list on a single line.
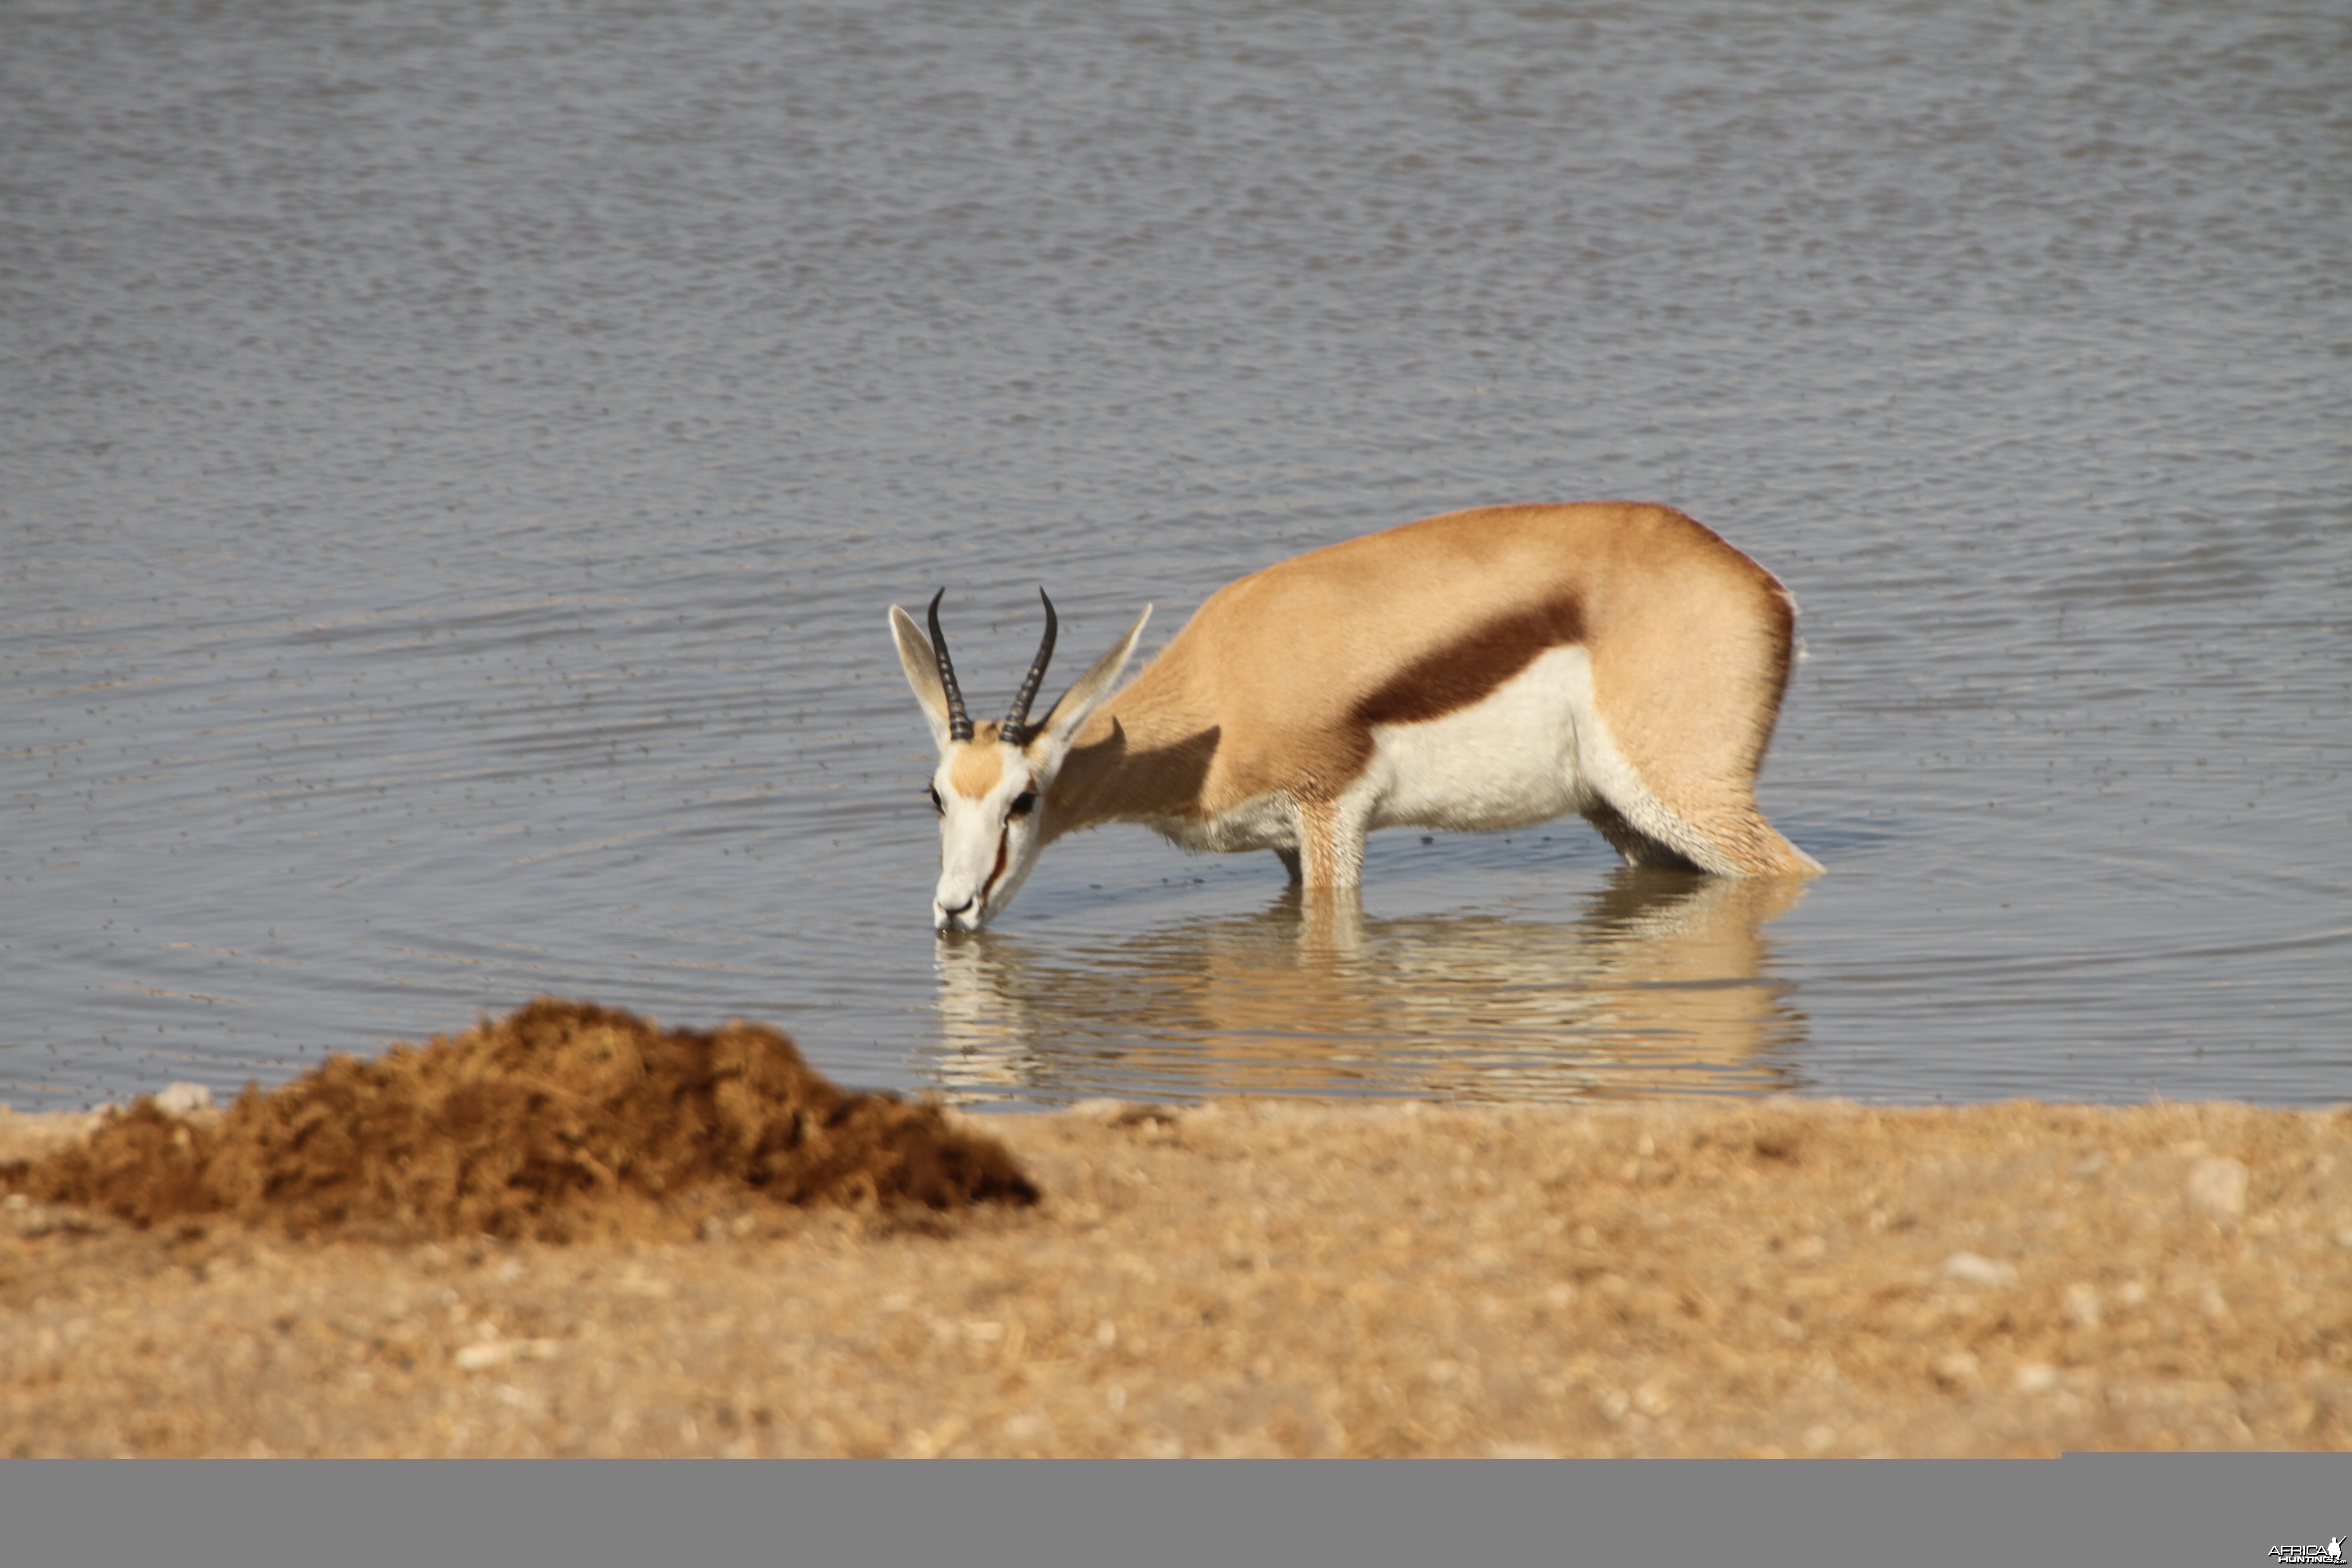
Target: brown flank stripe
[(1466, 673)]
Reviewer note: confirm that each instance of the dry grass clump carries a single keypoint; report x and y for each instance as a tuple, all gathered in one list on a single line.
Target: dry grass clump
[(559, 1121)]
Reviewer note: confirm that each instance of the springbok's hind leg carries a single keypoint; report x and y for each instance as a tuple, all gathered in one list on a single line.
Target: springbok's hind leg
[(1637, 848), (1289, 858), (1726, 837)]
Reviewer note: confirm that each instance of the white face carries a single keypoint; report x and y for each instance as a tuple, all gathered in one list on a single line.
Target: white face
[(988, 795), (991, 794)]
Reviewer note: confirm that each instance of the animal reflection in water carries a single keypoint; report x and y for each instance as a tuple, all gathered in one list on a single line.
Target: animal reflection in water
[(1657, 988)]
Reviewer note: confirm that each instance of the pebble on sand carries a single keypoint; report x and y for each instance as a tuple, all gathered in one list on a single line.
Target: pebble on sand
[(2217, 1188), (1974, 1269)]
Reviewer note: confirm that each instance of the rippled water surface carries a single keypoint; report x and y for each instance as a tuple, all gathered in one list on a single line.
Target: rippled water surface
[(453, 462)]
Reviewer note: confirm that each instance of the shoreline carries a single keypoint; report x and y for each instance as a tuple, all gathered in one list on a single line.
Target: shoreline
[(1259, 1277)]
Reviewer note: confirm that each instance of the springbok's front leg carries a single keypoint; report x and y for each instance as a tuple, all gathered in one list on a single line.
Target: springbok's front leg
[(1331, 844)]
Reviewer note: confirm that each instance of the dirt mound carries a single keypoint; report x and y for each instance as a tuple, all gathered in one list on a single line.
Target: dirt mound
[(558, 1120)]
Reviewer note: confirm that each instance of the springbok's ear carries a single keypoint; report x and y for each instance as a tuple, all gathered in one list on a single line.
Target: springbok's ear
[(1079, 703), (922, 672)]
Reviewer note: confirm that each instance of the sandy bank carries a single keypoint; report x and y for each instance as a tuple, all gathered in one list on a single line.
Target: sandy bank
[(1263, 1278)]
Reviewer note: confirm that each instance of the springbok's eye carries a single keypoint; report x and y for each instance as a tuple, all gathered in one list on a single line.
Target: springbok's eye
[(1024, 804), (936, 803)]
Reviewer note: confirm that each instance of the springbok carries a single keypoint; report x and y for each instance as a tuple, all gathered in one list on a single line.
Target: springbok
[(1483, 669)]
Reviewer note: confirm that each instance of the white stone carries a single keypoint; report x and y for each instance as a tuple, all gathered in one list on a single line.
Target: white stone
[(2217, 1188), (2083, 1306), (1505, 1450), (498, 1352), (1974, 1269), (489, 1353), (182, 1100)]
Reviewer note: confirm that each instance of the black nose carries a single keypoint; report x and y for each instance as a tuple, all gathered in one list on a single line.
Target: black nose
[(955, 909)]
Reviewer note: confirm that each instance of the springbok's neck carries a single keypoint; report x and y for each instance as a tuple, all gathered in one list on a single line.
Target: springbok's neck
[(1134, 761)]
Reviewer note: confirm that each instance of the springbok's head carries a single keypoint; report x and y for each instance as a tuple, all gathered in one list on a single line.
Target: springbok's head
[(991, 781)]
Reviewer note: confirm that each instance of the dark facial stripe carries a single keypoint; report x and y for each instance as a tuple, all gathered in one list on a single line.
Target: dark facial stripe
[(1469, 670), (1004, 848)]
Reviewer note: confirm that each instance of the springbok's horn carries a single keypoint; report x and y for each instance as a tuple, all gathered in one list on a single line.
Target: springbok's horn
[(1017, 723), (959, 721)]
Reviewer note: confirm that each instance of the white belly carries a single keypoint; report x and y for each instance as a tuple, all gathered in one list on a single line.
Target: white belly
[(1513, 759), (1529, 752)]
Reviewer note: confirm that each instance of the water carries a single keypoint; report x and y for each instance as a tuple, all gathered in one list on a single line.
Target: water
[(453, 462)]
